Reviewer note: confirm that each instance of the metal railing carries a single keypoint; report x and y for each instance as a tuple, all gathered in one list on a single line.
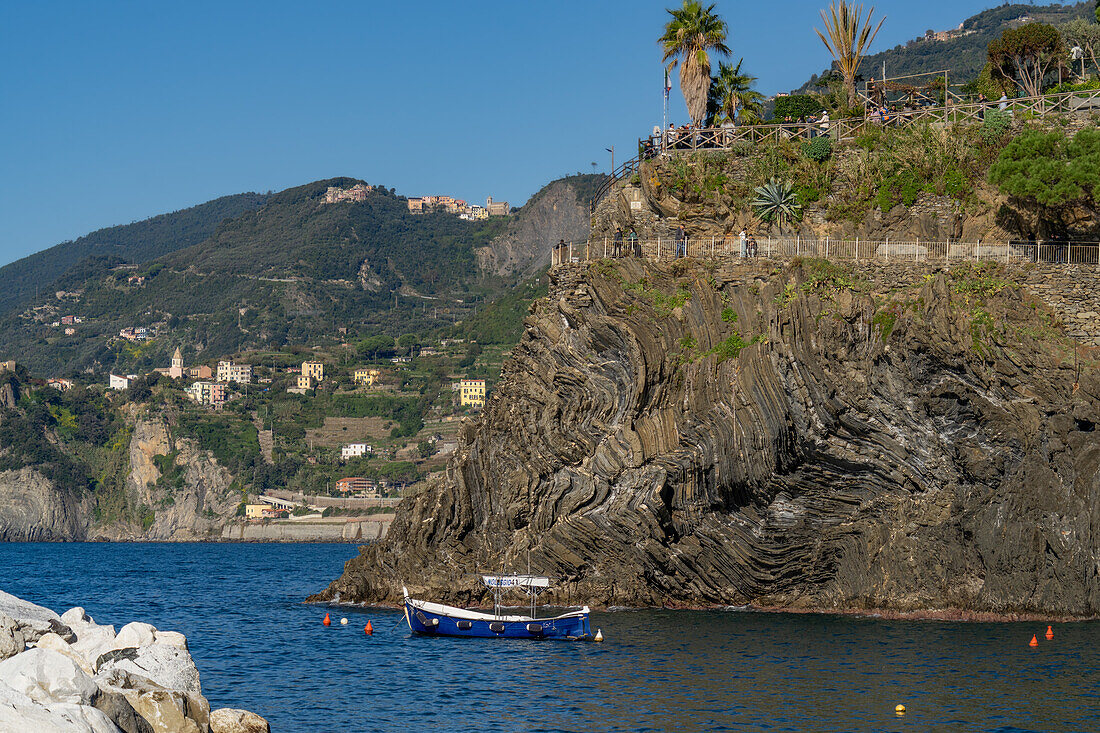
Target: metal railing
[(851, 250), (726, 138)]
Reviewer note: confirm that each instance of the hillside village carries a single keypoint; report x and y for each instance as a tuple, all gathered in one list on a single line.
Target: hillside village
[(362, 427)]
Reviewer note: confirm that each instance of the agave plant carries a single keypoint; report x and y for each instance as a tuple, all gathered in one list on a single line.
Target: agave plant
[(689, 35), (776, 201)]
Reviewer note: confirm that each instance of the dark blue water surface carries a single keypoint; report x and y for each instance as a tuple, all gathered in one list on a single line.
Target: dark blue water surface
[(257, 646)]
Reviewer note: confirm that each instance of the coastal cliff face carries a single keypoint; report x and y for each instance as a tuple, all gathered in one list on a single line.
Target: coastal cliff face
[(802, 436), (192, 502), (33, 509), (559, 211)]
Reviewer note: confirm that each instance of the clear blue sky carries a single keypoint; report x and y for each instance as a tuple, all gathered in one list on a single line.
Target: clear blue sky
[(112, 112)]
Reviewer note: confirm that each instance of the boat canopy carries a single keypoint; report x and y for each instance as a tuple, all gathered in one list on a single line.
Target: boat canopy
[(515, 581)]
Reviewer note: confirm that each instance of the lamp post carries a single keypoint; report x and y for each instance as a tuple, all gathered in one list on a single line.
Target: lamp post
[(612, 151)]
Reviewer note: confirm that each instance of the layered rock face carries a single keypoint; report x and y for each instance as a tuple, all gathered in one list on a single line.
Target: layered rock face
[(797, 436), (33, 509)]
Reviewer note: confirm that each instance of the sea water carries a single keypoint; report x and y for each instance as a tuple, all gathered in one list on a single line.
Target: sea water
[(259, 647)]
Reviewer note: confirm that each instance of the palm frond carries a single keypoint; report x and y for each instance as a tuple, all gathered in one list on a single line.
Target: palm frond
[(848, 35), (690, 36)]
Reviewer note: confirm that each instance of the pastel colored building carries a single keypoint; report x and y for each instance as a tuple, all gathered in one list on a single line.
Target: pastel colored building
[(471, 393), (368, 377), (230, 372), (314, 370)]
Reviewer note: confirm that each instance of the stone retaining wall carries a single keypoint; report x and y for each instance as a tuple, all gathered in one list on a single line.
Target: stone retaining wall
[(1072, 292)]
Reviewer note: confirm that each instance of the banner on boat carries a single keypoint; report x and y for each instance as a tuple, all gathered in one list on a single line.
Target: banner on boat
[(515, 581)]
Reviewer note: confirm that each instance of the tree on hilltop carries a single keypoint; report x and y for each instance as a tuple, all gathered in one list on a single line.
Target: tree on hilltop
[(692, 32), (1026, 55), (848, 36), (732, 97)]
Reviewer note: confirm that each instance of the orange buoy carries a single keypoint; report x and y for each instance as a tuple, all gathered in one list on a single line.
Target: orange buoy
[(369, 629), (1050, 633), (1034, 641), (327, 621)]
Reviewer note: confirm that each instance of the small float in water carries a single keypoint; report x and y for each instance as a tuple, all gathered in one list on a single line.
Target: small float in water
[(436, 619)]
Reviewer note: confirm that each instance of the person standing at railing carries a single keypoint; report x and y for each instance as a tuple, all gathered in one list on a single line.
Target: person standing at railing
[(681, 242), (742, 240), (751, 245), (632, 243), (559, 252), (617, 243)]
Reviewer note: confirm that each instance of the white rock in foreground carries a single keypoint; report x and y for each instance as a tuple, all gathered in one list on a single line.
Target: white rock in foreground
[(11, 637), (59, 645), (33, 620), (171, 638), (135, 634), (230, 720), (144, 681), (76, 616), (47, 676), (92, 641), (20, 714)]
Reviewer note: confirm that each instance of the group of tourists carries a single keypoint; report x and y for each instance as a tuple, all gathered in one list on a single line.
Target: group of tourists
[(626, 243), (630, 238)]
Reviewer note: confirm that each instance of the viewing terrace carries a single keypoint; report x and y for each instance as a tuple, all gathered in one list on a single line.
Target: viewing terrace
[(953, 110)]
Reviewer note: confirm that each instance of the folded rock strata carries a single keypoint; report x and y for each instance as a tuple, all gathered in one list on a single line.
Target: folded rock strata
[(804, 436)]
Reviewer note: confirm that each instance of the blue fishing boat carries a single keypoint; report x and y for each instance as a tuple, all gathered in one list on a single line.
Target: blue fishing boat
[(436, 619)]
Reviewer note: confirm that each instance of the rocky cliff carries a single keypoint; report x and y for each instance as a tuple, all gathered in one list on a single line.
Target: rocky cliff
[(800, 436), (33, 509), (190, 501), (193, 501), (560, 210)]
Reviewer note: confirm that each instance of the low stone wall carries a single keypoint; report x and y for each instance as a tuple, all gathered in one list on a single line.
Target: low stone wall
[(1072, 292), (373, 529)]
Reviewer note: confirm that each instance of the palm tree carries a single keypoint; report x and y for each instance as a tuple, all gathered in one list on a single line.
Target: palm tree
[(692, 32), (732, 96), (776, 201), (848, 36)]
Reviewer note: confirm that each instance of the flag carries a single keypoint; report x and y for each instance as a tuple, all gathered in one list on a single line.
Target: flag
[(668, 85)]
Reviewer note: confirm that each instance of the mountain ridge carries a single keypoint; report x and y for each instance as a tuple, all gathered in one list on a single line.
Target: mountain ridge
[(137, 242)]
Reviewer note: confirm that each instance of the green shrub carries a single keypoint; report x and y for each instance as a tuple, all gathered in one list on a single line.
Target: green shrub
[(819, 149)]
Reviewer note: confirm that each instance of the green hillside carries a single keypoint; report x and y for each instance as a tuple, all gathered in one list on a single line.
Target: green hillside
[(295, 271), (965, 55), (134, 243)]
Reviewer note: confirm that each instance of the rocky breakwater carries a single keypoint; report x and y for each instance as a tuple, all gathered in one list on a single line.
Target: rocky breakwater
[(68, 673), (801, 436)]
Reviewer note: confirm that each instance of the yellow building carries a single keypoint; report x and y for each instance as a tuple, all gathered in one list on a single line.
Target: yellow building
[(305, 382), (471, 393), (315, 370), (257, 511), (368, 377)]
